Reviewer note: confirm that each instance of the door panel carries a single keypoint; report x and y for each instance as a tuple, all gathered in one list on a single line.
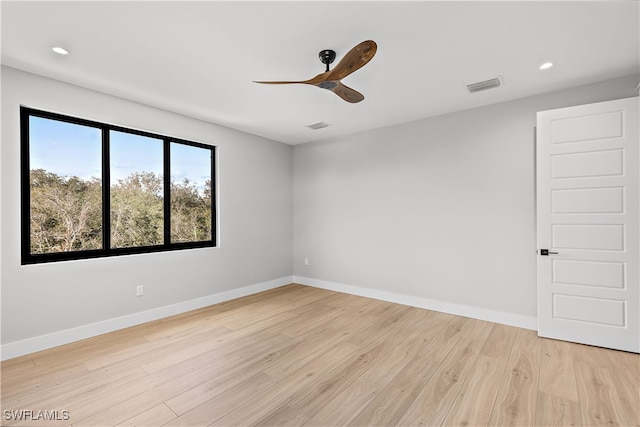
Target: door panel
[(589, 310), (585, 165), (588, 192), (587, 200), (590, 237), (588, 273), (586, 127)]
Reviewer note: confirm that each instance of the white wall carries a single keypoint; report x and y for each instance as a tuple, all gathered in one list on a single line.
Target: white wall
[(72, 299), (438, 213)]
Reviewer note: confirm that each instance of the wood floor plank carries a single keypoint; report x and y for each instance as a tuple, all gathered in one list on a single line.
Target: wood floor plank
[(212, 410), (351, 302), (474, 402), (392, 400), (378, 326), (557, 374), (348, 403), (154, 352), (98, 398), (516, 401), (324, 337), (15, 387), (454, 328), (175, 329), (209, 344), (499, 342), (375, 307), (600, 404), (18, 365), (50, 396), (624, 369), (629, 395), (248, 410), (91, 348), (310, 400), (154, 417), (556, 411), (432, 404), (140, 395), (148, 397), (310, 319), (231, 377), (291, 291), (299, 355)]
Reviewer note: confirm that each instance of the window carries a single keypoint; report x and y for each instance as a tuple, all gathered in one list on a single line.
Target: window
[(93, 190), (190, 198), (137, 190)]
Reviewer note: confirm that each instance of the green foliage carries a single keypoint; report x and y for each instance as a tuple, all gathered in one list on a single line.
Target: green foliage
[(66, 212), (190, 220), (137, 211)]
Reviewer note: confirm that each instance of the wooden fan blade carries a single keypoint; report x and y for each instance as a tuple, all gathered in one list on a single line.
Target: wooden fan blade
[(354, 59), (346, 93), (313, 81), (277, 83)]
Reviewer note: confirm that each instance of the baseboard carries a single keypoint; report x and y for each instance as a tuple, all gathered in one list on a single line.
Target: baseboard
[(55, 339), (511, 319)]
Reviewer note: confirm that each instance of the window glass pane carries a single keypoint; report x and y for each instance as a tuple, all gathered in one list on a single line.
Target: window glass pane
[(65, 201), (190, 193), (137, 210), (65, 192)]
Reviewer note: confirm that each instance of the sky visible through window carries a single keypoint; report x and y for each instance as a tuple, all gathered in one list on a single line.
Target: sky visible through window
[(65, 149), (192, 163), (68, 149)]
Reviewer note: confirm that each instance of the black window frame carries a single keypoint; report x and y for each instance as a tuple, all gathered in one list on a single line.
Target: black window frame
[(106, 251)]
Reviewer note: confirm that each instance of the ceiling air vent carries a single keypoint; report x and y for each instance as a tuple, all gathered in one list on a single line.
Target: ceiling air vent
[(487, 84), (318, 125)]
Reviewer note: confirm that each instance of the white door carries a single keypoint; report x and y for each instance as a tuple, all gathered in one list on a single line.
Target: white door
[(588, 192)]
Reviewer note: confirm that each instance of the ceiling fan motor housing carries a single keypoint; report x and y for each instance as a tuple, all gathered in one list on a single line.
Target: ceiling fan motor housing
[(327, 56)]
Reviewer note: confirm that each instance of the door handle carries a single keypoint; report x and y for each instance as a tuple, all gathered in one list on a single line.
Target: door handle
[(546, 252)]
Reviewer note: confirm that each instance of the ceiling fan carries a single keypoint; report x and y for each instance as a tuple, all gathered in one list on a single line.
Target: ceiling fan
[(354, 59)]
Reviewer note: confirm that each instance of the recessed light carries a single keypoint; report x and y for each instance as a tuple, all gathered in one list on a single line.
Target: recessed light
[(546, 65), (60, 50)]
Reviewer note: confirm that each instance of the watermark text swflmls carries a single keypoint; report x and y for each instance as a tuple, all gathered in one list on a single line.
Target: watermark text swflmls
[(36, 415)]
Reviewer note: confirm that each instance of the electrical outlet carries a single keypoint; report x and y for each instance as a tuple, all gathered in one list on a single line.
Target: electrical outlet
[(306, 261), (139, 290)]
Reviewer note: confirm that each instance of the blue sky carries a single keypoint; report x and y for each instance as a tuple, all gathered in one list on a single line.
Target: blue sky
[(73, 150)]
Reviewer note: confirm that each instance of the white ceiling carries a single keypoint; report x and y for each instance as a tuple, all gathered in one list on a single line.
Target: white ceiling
[(199, 58)]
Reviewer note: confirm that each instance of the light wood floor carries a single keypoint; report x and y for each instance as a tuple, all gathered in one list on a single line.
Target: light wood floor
[(303, 356)]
